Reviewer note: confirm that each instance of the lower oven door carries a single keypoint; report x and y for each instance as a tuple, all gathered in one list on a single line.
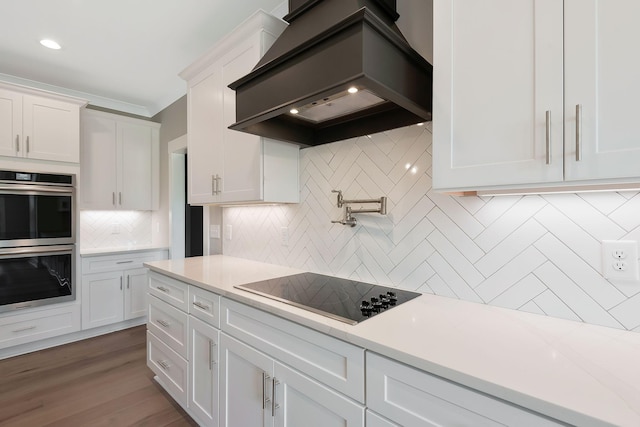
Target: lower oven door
[(38, 275)]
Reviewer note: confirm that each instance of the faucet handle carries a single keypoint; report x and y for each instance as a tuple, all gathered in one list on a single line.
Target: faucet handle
[(339, 199)]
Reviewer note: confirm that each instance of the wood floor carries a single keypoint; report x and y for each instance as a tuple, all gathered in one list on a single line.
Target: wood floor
[(102, 381)]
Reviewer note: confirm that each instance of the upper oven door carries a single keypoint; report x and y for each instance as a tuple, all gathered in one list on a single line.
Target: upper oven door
[(36, 215)]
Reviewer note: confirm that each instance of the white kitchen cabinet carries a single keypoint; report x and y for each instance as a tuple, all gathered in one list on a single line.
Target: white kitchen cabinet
[(114, 287), (256, 390), (512, 77), (410, 397), (39, 125), (38, 324), (120, 162), (203, 372), (227, 166)]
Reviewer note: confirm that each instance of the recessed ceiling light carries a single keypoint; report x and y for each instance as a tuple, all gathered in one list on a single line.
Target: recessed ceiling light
[(352, 89), (294, 111), (51, 44), (420, 124)]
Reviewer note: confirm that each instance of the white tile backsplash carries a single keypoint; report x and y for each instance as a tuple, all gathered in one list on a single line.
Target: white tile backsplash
[(535, 253), (98, 229)]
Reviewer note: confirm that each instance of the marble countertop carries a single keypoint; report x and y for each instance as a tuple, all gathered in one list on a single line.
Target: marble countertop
[(119, 250), (578, 373)]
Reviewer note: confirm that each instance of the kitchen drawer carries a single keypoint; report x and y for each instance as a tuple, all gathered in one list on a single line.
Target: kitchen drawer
[(337, 364), (123, 261), (22, 328), (409, 396), (171, 369), (169, 290), (169, 324), (204, 305)]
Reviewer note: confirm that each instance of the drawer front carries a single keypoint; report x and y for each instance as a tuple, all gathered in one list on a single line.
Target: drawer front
[(171, 369), (100, 264), (204, 305), (22, 328), (338, 364), (375, 420), (409, 396), (169, 324), (169, 290)]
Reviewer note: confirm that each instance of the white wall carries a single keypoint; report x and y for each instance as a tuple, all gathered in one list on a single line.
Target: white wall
[(540, 254)]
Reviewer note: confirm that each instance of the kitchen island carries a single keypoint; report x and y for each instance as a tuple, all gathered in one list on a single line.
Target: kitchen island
[(573, 372)]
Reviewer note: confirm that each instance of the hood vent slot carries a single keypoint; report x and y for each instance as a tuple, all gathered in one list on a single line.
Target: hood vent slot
[(341, 69)]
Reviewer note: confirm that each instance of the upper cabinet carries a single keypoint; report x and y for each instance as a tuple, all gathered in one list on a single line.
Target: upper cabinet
[(120, 162), (39, 125), (227, 166), (534, 93)]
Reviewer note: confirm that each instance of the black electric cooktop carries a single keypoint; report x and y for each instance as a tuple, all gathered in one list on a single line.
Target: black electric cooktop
[(342, 299)]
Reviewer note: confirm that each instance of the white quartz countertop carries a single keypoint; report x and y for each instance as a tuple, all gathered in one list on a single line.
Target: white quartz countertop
[(581, 374)]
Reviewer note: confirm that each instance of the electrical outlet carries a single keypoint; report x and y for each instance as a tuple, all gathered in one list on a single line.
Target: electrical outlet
[(620, 260)]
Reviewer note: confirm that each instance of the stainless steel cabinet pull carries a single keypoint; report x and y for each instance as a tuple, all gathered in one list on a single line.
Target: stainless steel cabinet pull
[(125, 262), (27, 144), (163, 323), (212, 360), (274, 405), (265, 398), (219, 186), (113, 198), (548, 136), (120, 282), (17, 143), (164, 365), (201, 305), (578, 132), (128, 281), (213, 185), (163, 289), (28, 328), (120, 197)]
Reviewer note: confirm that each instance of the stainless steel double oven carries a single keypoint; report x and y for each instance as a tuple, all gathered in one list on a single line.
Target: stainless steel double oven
[(37, 239)]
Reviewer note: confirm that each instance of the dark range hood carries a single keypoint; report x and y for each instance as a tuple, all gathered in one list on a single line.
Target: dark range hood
[(300, 91)]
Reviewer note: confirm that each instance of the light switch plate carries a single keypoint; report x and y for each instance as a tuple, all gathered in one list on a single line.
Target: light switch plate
[(620, 260)]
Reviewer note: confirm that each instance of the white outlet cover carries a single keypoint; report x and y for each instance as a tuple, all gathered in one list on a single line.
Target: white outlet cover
[(620, 260)]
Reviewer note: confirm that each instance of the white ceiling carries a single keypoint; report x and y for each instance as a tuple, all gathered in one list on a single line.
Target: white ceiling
[(119, 54)]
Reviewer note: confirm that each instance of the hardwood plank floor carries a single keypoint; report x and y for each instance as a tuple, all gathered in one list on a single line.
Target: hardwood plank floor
[(102, 381)]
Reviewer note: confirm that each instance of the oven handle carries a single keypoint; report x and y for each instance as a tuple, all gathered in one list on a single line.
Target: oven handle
[(33, 189), (35, 250)]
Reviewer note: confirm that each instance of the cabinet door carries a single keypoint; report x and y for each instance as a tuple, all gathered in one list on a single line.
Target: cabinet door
[(601, 79), (98, 182), (243, 167), (135, 297), (51, 129), (204, 137), (102, 296), (301, 401), (498, 72), (10, 122), (135, 166), (245, 382), (203, 372)]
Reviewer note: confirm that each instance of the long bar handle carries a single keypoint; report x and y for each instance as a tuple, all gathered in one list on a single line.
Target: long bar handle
[(265, 398), (28, 328), (120, 197), (578, 132), (113, 198), (120, 282), (163, 323), (548, 136), (163, 289), (17, 143), (27, 144), (201, 305), (274, 405), (213, 185)]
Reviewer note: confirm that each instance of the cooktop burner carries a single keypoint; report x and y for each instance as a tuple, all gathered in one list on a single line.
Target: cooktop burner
[(342, 299)]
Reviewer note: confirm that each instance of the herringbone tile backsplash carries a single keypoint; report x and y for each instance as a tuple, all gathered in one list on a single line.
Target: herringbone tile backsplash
[(115, 229), (539, 253)]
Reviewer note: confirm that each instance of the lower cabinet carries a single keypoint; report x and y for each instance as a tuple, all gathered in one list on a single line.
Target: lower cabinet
[(257, 390), (203, 372), (38, 324), (411, 397), (114, 287)]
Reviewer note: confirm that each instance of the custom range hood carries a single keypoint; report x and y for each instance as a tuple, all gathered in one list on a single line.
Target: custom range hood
[(341, 69)]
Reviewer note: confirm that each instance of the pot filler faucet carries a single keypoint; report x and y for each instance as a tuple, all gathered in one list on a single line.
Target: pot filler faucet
[(349, 219)]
